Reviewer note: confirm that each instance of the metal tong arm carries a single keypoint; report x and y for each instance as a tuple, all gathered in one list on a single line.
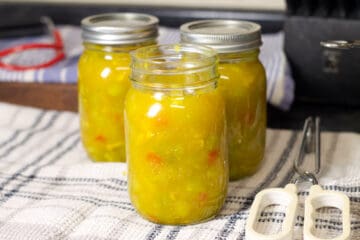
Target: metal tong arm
[(282, 196), (310, 143), (340, 44), (320, 198)]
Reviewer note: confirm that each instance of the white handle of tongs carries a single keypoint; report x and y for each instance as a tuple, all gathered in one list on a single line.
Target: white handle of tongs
[(283, 196), (319, 198)]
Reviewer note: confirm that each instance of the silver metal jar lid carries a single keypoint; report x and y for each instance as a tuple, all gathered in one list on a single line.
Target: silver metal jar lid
[(119, 28), (224, 36)]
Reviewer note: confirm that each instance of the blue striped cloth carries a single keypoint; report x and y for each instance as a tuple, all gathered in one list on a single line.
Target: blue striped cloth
[(50, 189), (280, 91)]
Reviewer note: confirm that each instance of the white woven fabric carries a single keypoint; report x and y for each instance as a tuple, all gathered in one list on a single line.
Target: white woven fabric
[(51, 190)]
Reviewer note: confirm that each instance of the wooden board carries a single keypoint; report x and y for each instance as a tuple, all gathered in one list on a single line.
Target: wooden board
[(56, 96)]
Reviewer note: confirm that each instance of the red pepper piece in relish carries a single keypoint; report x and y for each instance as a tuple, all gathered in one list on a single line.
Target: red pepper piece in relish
[(212, 157), (202, 198), (161, 122), (249, 118), (100, 138), (153, 219), (154, 158)]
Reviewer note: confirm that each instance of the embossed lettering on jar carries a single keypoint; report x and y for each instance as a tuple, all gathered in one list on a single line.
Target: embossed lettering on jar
[(175, 135), (103, 78), (243, 83)]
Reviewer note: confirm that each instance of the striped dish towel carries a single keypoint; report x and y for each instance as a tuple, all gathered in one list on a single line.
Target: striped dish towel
[(280, 83), (50, 189)]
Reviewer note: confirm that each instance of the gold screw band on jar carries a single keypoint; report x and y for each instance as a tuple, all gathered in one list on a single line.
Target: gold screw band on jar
[(243, 83), (103, 78), (175, 134)]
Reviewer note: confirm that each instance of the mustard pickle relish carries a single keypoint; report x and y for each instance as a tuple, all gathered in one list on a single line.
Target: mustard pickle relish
[(103, 79), (243, 83), (175, 132)]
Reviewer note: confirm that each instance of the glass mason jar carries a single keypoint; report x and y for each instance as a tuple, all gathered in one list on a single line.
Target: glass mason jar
[(175, 134), (103, 78), (243, 83)]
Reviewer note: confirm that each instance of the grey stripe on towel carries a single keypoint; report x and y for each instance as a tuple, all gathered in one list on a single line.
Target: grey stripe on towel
[(54, 191)]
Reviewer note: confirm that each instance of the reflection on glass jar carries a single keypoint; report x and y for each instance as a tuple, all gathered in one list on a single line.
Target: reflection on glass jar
[(243, 82), (175, 135), (103, 79)]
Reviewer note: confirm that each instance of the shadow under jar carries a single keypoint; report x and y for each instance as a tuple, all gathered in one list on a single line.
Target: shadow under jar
[(103, 78), (243, 83), (175, 134)]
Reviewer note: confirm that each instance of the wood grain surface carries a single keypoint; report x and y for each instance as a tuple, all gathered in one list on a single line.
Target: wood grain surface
[(54, 96)]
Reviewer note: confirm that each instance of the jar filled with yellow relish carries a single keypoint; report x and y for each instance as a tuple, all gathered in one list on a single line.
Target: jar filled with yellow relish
[(176, 134), (103, 78), (243, 83)]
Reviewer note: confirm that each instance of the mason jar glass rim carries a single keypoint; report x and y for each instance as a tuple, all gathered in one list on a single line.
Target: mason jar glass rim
[(174, 66), (173, 58)]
